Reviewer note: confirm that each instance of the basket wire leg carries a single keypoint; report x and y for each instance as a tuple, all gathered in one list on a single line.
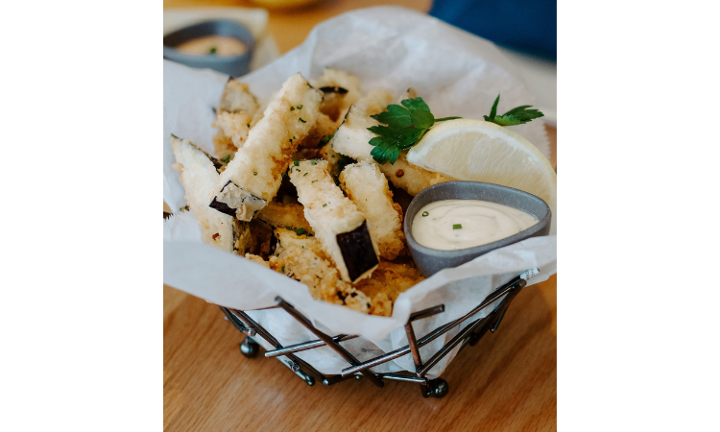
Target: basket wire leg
[(241, 321), (249, 348), (328, 340)]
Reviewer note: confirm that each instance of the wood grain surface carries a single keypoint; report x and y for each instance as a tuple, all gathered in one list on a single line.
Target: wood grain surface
[(507, 382)]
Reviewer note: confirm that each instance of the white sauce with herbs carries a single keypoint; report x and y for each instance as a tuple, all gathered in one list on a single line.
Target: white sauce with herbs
[(221, 46), (461, 224)]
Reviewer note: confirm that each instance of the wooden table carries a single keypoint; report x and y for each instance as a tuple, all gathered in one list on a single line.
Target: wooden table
[(507, 382)]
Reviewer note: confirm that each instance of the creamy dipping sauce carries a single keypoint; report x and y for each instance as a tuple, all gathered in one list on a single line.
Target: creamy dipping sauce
[(461, 224), (223, 46)]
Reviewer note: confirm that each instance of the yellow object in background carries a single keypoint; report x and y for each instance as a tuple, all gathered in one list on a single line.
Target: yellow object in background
[(284, 3)]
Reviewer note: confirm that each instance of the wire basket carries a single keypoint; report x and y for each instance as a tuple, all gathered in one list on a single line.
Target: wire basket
[(429, 387)]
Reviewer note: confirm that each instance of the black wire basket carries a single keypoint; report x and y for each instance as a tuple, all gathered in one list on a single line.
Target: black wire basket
[(429, 387)]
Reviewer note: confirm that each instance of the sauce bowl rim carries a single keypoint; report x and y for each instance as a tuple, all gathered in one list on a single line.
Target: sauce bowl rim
[(174, 53)]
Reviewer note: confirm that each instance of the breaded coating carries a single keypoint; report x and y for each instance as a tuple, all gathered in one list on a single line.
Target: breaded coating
[(333, 158), (353, 139), (338, 224), (254, 175), (261, 239), (233, 128), (237, 97), (324, 126), (286, 238), (410, 177), (199, 177), (257, 259), (388, 282), (341, 90), (368, 188), (281, 215), (302, 258)]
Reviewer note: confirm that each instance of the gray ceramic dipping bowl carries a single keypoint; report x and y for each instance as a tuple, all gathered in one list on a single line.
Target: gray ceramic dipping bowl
[(431, 261), (234, 66)]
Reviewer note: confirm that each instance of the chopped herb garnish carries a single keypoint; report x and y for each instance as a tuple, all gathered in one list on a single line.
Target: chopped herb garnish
[(297, 169), (405, 126), (313, 181), (313, 163), (254, 172), (299, 107), (457, 226), (326, 139), (300, 231), (296, 163), (301, 120), (226, 159), (292, 108), (213, 50), (293, 136), (516, 116), (425, 214), (305, 174), (282, 269), (325, 205), (248, 125)]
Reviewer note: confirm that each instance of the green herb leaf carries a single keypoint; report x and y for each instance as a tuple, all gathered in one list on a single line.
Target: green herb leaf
[(313, 163), (422, 119), (213, 51), (326, 139), (292, 108), (282, 269), (325, 205), (425, 214), (516, 116), (296, 163), (299, 107), (406, 124), (301, 120), (457, 226), (226, 159), (416, 104), (300, 231)]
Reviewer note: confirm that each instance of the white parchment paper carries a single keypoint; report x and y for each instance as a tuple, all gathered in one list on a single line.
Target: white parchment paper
[(456, 73)]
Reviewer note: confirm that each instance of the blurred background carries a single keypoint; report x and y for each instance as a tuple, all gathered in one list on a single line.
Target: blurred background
[(525, 30)]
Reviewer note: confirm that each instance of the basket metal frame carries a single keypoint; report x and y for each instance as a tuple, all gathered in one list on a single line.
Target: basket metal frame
[(437, 387)]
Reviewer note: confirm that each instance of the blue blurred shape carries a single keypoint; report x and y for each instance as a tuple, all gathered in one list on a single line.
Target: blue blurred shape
[(529, 26)]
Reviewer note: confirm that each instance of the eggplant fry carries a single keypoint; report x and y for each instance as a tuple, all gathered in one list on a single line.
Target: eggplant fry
[(368, 188), (253, 177), (341, 90), (199, 176), (338, 224), (302, 258), (236, 97), (281, 215)]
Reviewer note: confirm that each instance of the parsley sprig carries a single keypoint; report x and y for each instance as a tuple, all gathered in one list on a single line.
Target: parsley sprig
[(406, 124), (516, 116)]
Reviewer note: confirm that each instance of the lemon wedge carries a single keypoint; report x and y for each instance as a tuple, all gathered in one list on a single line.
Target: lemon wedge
[(477, 150)]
